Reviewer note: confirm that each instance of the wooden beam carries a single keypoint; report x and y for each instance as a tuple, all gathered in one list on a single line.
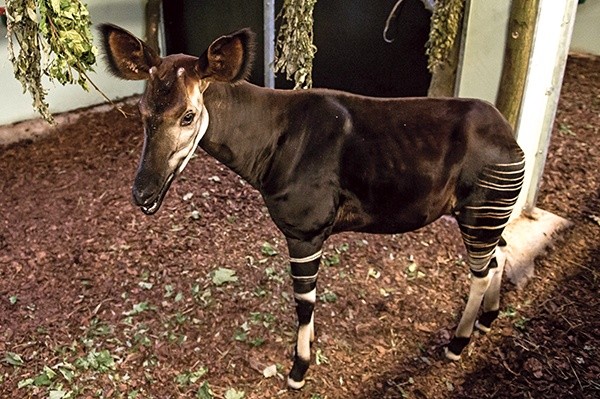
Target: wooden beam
[(519, 41)]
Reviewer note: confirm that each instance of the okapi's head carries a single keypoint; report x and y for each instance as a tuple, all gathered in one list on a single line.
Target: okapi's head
[(172, 106)]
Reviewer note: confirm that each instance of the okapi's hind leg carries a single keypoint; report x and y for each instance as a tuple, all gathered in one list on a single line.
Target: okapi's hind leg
[(304, 261), (491, 299), (481, 223)]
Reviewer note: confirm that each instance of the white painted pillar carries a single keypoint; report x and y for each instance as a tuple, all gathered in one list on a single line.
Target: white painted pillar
[(542, 90)]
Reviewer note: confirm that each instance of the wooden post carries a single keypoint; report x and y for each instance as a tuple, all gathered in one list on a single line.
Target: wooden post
[(152, 19), (521, 28)]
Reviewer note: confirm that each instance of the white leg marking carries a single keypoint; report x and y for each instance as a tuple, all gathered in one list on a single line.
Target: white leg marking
[(482, 328), (310, 296), (450, 355), (467, 321), (307, 259), (303, 344), (295, 384)]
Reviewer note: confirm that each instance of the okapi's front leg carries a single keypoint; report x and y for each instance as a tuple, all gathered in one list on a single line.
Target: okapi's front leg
[(304, 260)]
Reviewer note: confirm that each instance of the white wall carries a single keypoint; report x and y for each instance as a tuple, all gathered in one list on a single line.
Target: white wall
[(16, 106), (483, 48), (586, 34)]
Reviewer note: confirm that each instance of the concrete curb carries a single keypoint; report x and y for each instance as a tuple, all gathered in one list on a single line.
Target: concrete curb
[(528, 238), (33, 129)]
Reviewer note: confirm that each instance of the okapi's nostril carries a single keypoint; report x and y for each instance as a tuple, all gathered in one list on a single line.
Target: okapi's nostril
[(144, 194), (136, 196), (143, 190)]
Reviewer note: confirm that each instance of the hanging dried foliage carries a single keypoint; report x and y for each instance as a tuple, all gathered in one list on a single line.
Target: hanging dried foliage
[(54, 39), (295, 48), (445, 25)]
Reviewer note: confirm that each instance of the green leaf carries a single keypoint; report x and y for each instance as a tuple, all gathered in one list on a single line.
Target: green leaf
[(204, 392), (24, 383), (54, 39), (100, 361), (13, 359), (187, 378), (232, 393), (256, 342), (13, 299), (267, 249), (320, 357), (240, 335), (45, 378), (138, 308), (55, 5), (331, 260), (67, 374), (56, 394), (222, 276), (328, 297)]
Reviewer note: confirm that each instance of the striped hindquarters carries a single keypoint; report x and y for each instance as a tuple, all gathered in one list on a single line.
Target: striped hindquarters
[(483, 220)]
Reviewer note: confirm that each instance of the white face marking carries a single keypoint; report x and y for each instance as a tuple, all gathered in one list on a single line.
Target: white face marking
[(188, 137)]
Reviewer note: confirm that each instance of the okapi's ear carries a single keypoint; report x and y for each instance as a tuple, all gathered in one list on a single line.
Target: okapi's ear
[(229, 58), (127, 56)]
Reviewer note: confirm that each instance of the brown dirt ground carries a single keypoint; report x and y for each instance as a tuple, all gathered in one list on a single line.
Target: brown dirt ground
[(75, 256)]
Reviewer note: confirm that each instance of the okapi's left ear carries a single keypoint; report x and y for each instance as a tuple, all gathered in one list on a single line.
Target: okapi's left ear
[(229, 58), (128, 57)]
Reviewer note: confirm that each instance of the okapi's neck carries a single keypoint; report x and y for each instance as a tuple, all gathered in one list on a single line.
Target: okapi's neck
[(241, 131)]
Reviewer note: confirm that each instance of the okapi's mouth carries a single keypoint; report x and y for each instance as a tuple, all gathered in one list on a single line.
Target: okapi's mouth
[(152, 206)]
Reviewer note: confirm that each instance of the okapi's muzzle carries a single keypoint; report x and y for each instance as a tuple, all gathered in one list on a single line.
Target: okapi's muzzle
[(148, 192)]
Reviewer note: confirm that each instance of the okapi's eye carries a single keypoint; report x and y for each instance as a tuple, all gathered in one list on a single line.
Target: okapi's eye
[(188, 118)]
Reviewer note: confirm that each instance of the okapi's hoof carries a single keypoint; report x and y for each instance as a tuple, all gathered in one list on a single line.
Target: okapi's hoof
[(295, 378), (455, 347), (296, 385), (484, 324)]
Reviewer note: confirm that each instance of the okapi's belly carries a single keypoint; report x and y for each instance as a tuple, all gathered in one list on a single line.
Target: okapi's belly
[(387, 216)]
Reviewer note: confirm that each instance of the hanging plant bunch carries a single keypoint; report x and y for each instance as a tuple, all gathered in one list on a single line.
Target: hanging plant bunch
[(295, 48), (55, 40), (445, 24)]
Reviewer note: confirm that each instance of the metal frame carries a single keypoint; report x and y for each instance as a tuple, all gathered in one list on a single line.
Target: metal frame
[(554, 27), (269, 42)]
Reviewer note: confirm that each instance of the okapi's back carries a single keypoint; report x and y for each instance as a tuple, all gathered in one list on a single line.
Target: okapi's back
[(406, 161)]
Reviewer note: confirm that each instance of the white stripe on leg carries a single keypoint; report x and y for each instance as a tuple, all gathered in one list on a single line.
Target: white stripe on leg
[(479, 285)]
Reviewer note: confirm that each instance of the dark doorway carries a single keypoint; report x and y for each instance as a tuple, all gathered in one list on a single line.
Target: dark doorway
[(351, 55)]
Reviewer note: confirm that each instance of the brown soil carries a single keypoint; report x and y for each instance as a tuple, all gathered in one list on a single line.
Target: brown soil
[(82, 271)]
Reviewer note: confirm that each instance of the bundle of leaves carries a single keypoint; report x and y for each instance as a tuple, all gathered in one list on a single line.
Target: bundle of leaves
[(445, 25), (295, 48), (55, 40)]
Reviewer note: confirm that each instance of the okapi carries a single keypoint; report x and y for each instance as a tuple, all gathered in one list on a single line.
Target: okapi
[(327, 161)]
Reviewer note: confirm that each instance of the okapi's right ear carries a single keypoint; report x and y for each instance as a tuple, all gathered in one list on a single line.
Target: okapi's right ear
[(127, 56), (229, 58)]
